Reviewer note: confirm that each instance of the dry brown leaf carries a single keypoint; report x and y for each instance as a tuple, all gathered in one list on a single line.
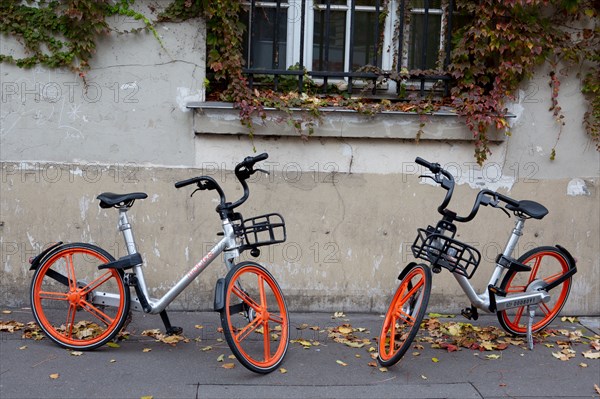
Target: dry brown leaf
[(146, 350), (591, 355), (341, 363), (282, 370), (228, 365), (54, 376)]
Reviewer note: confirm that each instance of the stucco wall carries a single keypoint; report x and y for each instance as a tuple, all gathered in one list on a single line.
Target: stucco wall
[(351, 204)]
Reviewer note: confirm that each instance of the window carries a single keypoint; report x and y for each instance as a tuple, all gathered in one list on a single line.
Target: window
[(341, 40)]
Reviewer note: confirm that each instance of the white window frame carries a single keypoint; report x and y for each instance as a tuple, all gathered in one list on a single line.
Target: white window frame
[(387, 57)]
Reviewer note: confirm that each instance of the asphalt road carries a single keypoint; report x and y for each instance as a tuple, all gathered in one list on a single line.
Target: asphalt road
[(316, 366)]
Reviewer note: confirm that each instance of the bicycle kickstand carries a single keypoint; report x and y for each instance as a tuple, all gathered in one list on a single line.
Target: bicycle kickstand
[(531, 311)]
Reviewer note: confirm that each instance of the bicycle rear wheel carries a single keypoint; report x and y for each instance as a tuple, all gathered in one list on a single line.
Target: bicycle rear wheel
[(255, 318), (547, 264), (78, 306), (404, 315)]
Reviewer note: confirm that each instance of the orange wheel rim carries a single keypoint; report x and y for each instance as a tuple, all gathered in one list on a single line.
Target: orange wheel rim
[(395, 313), (514, 321), (76, 299), (263, 318)]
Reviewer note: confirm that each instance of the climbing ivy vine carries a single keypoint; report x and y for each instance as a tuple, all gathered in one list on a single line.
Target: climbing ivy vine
[(59, 34), (503, 43)]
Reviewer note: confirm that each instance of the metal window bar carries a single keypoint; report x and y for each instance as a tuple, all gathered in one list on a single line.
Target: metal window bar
[(278, 69)]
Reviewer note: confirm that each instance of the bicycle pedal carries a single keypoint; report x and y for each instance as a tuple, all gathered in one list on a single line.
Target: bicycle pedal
[(470, 313), (173, 330), (497, 291)]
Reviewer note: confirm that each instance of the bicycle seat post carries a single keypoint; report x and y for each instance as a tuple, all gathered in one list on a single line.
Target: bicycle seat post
[(125, 228)]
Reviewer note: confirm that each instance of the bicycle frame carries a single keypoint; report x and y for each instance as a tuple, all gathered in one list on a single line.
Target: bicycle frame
[(144, 302), (482, 301)]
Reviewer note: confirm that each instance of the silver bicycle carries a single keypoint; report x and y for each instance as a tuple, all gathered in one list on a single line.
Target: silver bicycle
[(526, 293), (80, 295)]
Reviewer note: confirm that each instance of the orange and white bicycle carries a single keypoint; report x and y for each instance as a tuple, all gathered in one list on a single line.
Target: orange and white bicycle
[(525, 293), (80, 295)]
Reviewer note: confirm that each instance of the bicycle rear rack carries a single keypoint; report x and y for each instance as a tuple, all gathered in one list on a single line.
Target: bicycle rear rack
[(438, 246)]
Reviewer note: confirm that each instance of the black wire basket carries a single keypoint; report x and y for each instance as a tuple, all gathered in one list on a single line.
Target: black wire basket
[(263, 230), (438, 246)]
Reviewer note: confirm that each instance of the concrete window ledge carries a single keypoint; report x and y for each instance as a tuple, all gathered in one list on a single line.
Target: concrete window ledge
[(221, 118)]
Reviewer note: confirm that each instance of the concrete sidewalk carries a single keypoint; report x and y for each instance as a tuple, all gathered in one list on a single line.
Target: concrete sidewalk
[(315, 365)]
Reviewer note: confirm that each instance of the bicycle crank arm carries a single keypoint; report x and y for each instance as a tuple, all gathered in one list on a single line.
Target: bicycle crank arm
[(525, 299)]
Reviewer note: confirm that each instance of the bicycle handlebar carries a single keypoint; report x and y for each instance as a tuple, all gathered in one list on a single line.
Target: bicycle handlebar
[(243, 171), (446, 180)]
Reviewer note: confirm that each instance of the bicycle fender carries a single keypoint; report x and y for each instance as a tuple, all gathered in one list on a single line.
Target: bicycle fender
[(219, 303), (568, 255), (35, 262), (567, 275), (406, 269)]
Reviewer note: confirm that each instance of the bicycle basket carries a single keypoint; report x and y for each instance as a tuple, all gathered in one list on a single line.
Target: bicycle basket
[(263, 230), (444, 251)]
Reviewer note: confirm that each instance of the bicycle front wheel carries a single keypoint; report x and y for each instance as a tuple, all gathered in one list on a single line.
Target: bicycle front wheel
[(78, 306), (255, 318), (547, 264), (404, 315)]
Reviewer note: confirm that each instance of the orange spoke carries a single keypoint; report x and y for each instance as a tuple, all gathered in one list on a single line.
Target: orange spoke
[(545, 308), (57, 296), (276, 318), (516, 288), (556, 276), (70, 320), (261, 290), (408, 319), (71, 272), (266, 341), (245, 298), (94, 311), (519, 314), (96, 283), (535, 268), (243, 334)]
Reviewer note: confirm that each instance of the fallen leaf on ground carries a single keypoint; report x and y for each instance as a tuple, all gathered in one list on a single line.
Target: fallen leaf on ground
[(228, 365), (341, 363), (591, 355), (569, 319), (492, 356), (54, 376), (206, 348), (7, 311), (113, 345), (76, 353), (435, 359), (10, 326), (597, 388), (221, 358), (583, 365), (282, 370), (146, 350), (423, 377), (383, 369), (23, 347)]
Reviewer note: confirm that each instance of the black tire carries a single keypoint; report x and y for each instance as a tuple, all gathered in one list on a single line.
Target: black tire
[(255, 319), (547, 263), (404, 315), (76, 305)]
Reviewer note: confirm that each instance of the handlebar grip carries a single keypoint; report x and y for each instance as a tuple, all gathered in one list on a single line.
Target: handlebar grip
[(434, 167), (186, 182), (250, 161), (423, 162)]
